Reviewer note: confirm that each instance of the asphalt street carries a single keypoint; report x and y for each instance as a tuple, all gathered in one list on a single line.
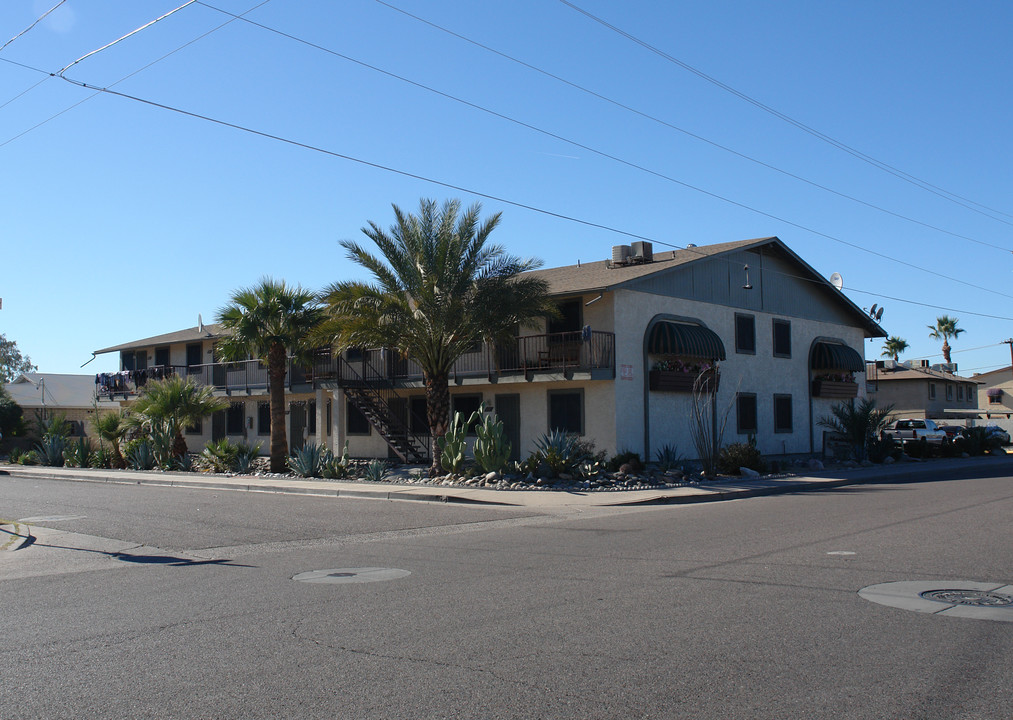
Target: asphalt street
[(152, 602)]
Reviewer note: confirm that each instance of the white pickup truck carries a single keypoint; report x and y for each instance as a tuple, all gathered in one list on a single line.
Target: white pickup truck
[(907, 430)]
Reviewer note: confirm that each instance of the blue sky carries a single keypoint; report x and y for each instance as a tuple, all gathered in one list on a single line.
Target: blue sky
[(123, 220)]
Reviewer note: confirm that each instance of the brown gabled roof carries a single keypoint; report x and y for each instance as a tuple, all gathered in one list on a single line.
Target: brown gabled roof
[(207, 332), (902, 372), (601, 275)]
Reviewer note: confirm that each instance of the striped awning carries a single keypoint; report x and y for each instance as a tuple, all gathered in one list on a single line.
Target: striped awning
[(835, 356), (994, 392), (670, 338)]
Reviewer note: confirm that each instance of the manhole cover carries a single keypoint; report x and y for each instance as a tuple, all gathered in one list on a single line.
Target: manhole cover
[(977, 598), (351, 575), (966, 599)]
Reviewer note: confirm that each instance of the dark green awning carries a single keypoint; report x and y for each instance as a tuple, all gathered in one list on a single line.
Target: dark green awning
[(834, 356), (669, 338)]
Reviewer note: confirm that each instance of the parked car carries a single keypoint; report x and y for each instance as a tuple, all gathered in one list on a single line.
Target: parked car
[(951, 431), (911, 429), (998, 433)]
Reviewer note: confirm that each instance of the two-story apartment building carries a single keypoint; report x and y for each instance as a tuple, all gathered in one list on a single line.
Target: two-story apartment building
[(920, 390), (616, 367)]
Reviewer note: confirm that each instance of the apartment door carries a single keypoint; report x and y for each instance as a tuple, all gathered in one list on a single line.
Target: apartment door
[(508, 410), (297, 425), (218, 425)]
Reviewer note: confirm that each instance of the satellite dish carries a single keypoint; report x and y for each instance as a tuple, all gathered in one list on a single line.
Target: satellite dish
[(872, 310), (837, 281), (200, 323), (879, 314)]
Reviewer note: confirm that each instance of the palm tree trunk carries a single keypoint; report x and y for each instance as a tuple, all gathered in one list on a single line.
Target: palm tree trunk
[(437, 413), (276, 361), (179, 444), (946, 351)]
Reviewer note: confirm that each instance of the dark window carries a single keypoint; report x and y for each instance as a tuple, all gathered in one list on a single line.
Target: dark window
[(162, 356), (466, 405), (127, 360), (949, 391), (782, 338), (782, 414), (960, 392), (932, 391), (995, 399), (235, 418), (329, 418), (263, 418), (196, 429), (357, 423), (569, 320), (311, 409), (353, 354), (745, 334), (417, 421), (194, 355), (745, 406), (566, 411)]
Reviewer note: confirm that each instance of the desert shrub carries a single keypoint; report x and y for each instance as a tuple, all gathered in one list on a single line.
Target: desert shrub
[(882, 448), (919, 448), (452, 445), (626, 457), (739, 455), (376, 471), (77, 454), (245, 456), (305, 462), (219, 456), (140, 455), (29, 458), (492, 449), (560, 451), (15, 457), (50, 450), (667, 457), (101, 458)]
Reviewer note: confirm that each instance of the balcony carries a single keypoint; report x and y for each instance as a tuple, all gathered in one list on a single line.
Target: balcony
[(549, 354)]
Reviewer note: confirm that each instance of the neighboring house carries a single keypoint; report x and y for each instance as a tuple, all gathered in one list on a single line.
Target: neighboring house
[(72, 396), (918, 390), (612, 368), (995, 398)]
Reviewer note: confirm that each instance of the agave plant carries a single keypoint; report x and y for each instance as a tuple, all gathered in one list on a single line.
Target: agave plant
[(50, 450), (78, 454), (305, 462), (141, 456), (219, 456), (245, 455), (376, 471), (560, 451)]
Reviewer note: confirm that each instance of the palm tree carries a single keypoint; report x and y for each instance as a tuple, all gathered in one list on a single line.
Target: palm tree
[(177, 401), (270, 321), (893, 347), (859, 423), (945, 328), (438, 287), (112, 427)]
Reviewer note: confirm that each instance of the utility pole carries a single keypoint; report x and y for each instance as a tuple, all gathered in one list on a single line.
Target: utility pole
[(1010, 343)]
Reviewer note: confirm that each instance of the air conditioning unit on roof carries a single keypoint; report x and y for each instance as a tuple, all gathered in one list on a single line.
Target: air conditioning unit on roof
[(621, 254), (643, 251)]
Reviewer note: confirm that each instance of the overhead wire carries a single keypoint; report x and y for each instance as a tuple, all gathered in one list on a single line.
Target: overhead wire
[(37, 21), (688, 133), (923, 184), (470, 191), (609, 156)]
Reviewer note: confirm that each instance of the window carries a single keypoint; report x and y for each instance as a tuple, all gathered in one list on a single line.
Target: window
[(329, 419), (782, 338), (570, 316), (357, 423), (995, 399), (196, 429), (949, 391), (745, 334), (745, 407), (466, 405), (263, 418), (782, 414), (127, 360), (311, 421), (235, 417), (960, 392), (566, 411), (932, 391)]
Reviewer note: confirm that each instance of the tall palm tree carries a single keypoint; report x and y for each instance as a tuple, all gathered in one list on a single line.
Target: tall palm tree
[(945, 328), (180, 402), (893, 347), (270, 321), (438, 287)]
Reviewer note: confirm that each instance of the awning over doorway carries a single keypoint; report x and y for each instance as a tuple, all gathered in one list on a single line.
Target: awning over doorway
[(671, 338), (835, 356)]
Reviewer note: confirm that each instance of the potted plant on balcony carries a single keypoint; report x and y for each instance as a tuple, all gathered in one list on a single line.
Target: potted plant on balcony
[(678, 375), (835, 385)]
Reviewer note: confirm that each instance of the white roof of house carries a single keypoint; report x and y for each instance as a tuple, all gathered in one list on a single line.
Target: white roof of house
[(55, 390)]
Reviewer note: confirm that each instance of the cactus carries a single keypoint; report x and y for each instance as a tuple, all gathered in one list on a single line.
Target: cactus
[(492, 449), (452, 445)]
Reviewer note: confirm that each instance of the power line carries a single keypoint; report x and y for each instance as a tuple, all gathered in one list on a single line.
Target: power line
[(451, 186), (37, 21), (609, 156), (688, 133), (923, 184)]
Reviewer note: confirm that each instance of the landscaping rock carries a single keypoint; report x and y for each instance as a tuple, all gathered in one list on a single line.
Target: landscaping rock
[(748, 473)]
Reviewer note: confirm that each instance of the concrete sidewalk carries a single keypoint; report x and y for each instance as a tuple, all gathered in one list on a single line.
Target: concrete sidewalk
[(723, 489)]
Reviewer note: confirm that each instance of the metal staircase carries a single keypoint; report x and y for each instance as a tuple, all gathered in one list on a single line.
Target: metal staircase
[(373, 396)]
